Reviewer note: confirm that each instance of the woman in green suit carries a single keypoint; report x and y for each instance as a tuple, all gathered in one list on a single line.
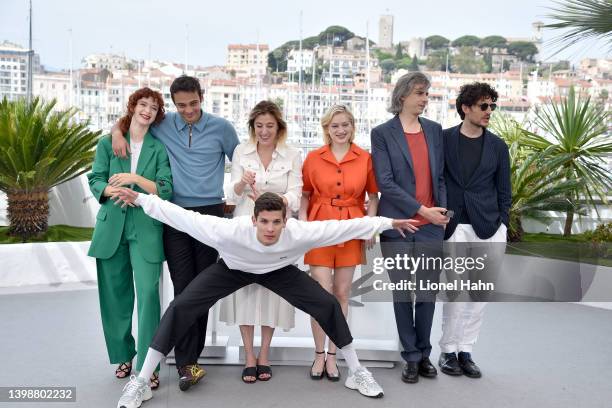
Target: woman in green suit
[(126, 243)]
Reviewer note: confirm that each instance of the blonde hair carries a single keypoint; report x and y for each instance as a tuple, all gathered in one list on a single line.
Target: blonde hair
[(329, 115), (268, 107)]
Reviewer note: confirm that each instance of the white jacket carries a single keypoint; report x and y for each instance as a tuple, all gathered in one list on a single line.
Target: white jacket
[(283, 176)]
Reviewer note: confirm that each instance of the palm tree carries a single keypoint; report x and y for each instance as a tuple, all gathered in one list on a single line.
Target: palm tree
[(538, 185), (576, 135), (39, 149), (582, 19)]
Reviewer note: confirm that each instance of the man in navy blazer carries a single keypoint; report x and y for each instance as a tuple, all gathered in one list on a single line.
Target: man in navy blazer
[(477, 174), (408, 159)]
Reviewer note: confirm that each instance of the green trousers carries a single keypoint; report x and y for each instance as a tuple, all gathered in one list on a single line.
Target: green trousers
[(117, 277)]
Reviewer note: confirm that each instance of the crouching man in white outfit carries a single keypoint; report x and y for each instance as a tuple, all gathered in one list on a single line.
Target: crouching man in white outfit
[(259, 249)]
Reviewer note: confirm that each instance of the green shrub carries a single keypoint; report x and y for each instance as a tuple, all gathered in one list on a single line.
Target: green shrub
[(600, 240)]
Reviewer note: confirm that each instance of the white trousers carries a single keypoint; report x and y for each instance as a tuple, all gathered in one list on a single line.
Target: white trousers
[(461, 321)]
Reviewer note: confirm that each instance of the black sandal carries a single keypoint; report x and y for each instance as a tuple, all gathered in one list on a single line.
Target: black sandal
[(264, 369), (249, 372), (125, 369), (154, 381), (317, 376), (335, 377)]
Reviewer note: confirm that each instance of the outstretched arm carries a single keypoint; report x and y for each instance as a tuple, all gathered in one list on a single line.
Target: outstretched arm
[(207, 229), (332, 232)]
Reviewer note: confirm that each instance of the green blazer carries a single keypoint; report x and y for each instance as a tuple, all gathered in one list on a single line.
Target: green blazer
[(153, 165)]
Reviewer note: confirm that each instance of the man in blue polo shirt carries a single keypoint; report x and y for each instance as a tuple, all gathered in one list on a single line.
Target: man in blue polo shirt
[(197, 145)]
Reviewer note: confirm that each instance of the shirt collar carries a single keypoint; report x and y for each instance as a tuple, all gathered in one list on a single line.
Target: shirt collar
[(328, 155), (281, 149), (199, 125)]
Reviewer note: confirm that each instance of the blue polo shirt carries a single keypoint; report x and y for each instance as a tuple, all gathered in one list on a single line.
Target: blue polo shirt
[(197, 165)]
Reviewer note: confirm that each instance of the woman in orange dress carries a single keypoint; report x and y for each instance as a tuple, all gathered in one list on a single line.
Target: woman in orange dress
[(336, 179)]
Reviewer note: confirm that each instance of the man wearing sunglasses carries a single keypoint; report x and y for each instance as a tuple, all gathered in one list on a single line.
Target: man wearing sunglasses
[(477, 174)]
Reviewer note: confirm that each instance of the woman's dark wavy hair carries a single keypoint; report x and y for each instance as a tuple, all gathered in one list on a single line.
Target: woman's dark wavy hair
[(470, 94), (124, 122)]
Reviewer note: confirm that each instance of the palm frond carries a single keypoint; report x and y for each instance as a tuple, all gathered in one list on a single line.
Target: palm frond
[(40, 148), (581, 20)]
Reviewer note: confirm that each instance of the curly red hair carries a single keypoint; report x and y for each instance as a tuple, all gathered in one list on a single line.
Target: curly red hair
[(124, 122)]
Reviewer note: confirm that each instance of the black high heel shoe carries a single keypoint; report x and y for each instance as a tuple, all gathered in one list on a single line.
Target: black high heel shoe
[(317, 376), (332, 377)]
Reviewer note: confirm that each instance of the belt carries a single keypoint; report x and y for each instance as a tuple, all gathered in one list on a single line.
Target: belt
[(336, 202)]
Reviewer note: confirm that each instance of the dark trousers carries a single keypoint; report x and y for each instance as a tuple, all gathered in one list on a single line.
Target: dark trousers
[(187, 258), (218, 281), (414, 320)]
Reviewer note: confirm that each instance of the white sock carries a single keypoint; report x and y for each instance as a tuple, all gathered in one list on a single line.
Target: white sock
[(150, 364), (350, 356)]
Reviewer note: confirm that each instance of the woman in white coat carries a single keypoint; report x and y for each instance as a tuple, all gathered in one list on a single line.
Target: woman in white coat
[(264, 163)]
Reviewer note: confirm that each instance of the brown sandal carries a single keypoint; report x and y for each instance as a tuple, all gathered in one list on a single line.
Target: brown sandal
[(124, 370), (154, 382)]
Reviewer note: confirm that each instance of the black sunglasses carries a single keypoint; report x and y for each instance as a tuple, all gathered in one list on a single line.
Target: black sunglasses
[(484, 106)]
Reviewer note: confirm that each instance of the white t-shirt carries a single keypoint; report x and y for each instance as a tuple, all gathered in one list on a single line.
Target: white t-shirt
[(135, 147), (236, 239)]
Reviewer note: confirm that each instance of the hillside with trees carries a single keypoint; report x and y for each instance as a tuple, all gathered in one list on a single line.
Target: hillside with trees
[(333, 35)]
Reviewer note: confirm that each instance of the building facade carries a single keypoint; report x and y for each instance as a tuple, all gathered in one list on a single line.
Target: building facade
[(250, 59), (385, 31), (14, 70)]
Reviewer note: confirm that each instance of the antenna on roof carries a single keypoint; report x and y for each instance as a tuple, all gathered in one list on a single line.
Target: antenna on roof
[(30, 60)]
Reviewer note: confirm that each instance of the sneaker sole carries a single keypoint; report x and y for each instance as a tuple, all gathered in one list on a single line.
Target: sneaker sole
[(147, 396), (137, 406), (184, 385), (354, 387)]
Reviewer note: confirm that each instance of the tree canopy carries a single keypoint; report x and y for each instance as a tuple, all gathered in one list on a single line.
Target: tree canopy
[(524, 50), (466, 41), (334, 35), (435, 42), (493, 41)]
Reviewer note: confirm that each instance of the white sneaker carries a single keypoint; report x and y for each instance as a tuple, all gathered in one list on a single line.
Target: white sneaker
[(134, 392), (363, 381)]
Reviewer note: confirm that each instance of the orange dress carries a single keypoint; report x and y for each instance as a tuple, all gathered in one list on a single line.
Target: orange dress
[(337, 192)]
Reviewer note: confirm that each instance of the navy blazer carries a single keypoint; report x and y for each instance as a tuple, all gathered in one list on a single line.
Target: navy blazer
[(487, 195), (394, 169)]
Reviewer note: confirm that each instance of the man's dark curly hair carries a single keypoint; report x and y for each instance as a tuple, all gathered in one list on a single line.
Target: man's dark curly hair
[(470, 94)]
